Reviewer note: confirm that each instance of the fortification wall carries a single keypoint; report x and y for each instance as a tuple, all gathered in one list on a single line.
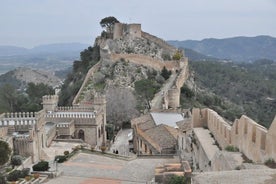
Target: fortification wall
[(183, 73), (173, 97), (252, 139), (147, 61), (120, 30), (158, 41), (134, 30), (91, 71), (3, 131), (270, 145), (50, 102)]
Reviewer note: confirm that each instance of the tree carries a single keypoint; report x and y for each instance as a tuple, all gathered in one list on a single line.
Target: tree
[(165, 73), (8, 98), (5, 152), (177, 55), (146, 89), (121, 105), (108, 23)]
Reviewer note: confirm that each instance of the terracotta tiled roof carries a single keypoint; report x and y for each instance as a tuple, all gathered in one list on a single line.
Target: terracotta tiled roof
[(163, 135)]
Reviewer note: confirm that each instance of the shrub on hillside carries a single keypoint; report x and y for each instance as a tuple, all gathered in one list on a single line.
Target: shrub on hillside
[(165, 73)]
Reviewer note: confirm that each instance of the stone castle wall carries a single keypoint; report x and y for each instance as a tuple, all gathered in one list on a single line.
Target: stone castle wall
[(90, 73), (120, 30), (252, 139), (147, 61), (158, 41)]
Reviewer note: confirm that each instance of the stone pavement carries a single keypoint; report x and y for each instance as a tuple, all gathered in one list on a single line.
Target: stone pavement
[(88, 168), (121, 142), (250, 176)]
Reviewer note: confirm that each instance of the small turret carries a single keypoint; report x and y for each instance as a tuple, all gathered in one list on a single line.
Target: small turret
[(50, 102)]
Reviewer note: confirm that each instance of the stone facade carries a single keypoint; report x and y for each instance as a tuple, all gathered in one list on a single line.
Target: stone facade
[(34, 132), (131, 30), (253, 140)]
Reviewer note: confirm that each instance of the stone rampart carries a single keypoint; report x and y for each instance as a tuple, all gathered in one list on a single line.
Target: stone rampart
[(252, 139), (121, 30), (90, 73), (147, 61), (158, 41)]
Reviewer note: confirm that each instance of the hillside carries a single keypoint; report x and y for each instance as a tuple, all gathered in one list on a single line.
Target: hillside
[(20, 77), (242, 49), (233, 89), (51, 57)]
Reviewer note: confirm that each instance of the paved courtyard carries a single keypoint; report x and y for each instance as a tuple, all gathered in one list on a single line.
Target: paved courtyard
[(96, 169)]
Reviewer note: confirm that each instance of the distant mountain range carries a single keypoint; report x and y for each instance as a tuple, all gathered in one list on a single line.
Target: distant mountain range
[(241, 49), (7, 50), (51, 57)]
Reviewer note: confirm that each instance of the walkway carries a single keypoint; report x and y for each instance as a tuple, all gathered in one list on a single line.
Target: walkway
[(156, 102), (121, 142), (96, 169)]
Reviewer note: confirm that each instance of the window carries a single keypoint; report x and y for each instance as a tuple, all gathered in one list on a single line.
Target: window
[(254, 134), (245, 128)]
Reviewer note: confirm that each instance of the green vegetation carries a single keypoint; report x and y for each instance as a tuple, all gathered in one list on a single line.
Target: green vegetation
[(5, 152), (16, 160), (270, 163), (179, 180), (61, 158), (12, 100), (2, 179), (177, 55), (231, 148), (41, 166), (89, 57), (165, 73), (146, 89), (108, 22), (235, 89)]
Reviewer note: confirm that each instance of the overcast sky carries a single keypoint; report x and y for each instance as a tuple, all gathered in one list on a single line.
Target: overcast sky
[(32, 22)]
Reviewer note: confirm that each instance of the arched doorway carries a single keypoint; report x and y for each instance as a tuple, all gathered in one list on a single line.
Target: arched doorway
[(81, 134)]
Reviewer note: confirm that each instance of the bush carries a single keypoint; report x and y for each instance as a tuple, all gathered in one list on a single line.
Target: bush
[(66, 153), (16, 160), (187, 91), (270, 163), (2, 179), (41, 166), (179, 180), (165, 73), (231, 148), (61, 158), (25, 172), (13, 176), (178, 55), (8, 169)]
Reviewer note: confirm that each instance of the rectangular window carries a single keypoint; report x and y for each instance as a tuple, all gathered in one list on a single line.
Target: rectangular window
[(245, 127), (254, 134)]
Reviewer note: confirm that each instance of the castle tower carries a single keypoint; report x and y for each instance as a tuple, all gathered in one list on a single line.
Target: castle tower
[(50, 102)]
